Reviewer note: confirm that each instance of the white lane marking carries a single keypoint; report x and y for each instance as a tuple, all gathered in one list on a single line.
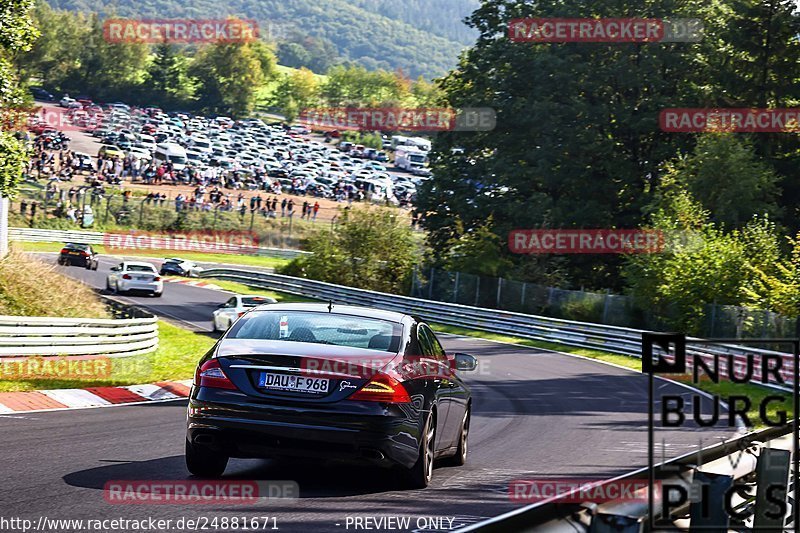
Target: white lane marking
[(75, 397), (152, 392), (5, 409)]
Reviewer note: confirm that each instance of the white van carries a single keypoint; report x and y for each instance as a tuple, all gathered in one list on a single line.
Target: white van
[(172, 152)]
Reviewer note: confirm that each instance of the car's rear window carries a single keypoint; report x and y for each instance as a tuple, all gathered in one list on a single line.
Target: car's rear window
[(320, 328), (252, 301), (140, 268), (74, 246)]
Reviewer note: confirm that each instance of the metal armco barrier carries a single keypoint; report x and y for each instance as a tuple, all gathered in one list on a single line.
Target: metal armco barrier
[(612, 339), (46, 336), (747, 465), (153, 242)]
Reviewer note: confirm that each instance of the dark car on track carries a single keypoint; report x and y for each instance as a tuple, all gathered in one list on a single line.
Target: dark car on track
[(329, 382), (78, 254)]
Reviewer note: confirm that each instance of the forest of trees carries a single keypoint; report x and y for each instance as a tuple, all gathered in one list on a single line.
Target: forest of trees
[(420, 37), (578, 145)]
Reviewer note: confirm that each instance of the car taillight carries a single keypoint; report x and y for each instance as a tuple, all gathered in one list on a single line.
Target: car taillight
[(210, 374), (85, 254), (240, 313), (64, 250), (382, 388), (126, 276), (157, 278)]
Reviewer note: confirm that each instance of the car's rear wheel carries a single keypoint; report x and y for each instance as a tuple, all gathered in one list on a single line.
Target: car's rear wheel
[(460, 458), (203, 462), (419, 476), (117, 289), (157, 294)]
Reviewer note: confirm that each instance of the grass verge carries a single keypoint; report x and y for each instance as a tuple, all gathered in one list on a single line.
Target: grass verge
[(176, 357), (755, 394), (248, 260), (241, 288), (33, 288)]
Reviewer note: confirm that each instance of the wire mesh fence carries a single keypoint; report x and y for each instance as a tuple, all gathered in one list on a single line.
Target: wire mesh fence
[(601, 308)]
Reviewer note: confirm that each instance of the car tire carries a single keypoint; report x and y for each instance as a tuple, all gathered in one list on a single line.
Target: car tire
[(94, 267), (117, 290), (157, 294), (202, 462), (419, 476), (460, 457), (108, 286)]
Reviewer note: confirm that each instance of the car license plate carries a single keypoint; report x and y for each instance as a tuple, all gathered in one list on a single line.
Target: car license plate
[(292, 383), (74, 253)]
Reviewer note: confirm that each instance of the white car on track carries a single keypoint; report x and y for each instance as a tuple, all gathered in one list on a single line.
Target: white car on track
[(236, 306), (134, 276)]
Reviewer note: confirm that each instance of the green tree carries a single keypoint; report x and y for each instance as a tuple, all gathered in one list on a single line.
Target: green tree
[(370, 248), (725, 175), (295, 92), (108, 70), (476, 251), (167, 79), (700, 263), (17, 34), (229, 74)]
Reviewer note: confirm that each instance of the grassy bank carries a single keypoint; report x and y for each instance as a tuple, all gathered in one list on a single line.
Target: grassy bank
[(33, 288)]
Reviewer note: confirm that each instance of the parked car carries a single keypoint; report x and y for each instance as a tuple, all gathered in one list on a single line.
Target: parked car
[(329, 381), (134, 276), (82, 161), (78, 254), (227, 313), (179, 267), (40, 94), (109, 150)]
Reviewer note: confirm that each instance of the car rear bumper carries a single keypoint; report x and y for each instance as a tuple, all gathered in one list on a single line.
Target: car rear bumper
[(74, 260), (375, 435), (150, 286)]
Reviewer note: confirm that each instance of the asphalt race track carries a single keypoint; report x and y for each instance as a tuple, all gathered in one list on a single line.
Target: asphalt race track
[(536, 414)]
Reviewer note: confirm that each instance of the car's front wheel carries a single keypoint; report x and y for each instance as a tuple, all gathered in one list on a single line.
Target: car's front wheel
[(419, 476), (203, 462)]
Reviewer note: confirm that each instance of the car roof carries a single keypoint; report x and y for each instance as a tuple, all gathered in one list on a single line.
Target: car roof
[(353, 310)]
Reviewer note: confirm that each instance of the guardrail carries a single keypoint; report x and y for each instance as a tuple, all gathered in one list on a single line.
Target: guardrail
[(762, 460), (613, 339), (153, 242), (49, 336)]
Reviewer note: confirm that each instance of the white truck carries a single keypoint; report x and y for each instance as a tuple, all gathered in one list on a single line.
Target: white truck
[(410, 158)]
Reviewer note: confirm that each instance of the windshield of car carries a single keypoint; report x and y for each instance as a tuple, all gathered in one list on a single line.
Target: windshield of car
[(322, 328)]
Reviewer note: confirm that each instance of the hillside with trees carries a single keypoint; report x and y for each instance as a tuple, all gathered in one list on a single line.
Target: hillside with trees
[(418, 37)]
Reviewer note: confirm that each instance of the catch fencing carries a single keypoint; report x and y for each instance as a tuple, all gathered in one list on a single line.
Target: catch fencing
[(165, 242)]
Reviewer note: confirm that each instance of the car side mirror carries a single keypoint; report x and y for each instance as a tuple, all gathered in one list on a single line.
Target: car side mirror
[(465, 362), (223, 304), (115, 269)]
